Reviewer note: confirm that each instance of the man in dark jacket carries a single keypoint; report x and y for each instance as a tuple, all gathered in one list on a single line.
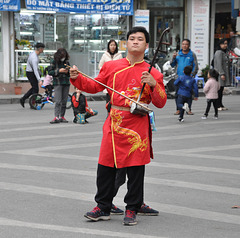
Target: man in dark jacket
[(185, 84)]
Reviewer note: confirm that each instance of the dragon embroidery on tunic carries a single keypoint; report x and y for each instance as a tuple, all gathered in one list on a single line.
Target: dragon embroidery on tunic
[(134, 137)]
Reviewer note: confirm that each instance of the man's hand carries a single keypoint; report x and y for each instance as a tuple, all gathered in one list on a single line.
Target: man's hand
[(195, 99), (40, 83), (223, 77), (175, 54), (148, 78), (74, 72)]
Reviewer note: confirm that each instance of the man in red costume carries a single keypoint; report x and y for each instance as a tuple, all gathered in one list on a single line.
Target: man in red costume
[(127, 138)]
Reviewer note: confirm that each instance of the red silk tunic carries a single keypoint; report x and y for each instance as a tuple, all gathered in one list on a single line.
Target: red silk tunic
[(127, 138)]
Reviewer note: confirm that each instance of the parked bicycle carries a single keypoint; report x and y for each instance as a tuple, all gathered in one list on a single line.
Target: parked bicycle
[(37, 100)]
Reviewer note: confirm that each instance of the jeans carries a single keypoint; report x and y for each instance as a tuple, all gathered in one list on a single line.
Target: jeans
[(180, 102)]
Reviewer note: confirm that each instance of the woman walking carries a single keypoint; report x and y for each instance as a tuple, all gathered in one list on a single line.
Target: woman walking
[(222, 65)]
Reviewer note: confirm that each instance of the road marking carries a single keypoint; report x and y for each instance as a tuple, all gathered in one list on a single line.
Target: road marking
[(153, 164), (167, 208), (43, 137), (196, 136), (104, 233), (200, 149), (201, 156), (194, 167), (157, 181)]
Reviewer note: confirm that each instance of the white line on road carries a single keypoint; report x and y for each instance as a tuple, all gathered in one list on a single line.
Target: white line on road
[(43, 137), (157, 181), (167, 208), (104, 233)]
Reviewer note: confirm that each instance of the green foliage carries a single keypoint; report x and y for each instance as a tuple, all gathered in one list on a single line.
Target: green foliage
[(205, 72)]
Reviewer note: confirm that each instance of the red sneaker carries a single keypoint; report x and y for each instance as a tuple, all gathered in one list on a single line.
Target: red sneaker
[(55, 120), (130, 218), (63, 119), (97, 214)]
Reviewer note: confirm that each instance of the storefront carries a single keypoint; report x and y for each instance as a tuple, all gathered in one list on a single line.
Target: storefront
[(85, 34)]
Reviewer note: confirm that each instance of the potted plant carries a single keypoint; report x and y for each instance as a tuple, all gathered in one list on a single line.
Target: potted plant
[(17, 89), (20, 44), (205, 72)]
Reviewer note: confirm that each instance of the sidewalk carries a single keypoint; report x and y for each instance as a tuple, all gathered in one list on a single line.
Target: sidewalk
[(13, 99)]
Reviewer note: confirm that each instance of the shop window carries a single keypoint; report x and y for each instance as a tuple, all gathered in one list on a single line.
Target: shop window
[(32, 27), (0, 32), (92, 32), (163, 3), (75, 32)]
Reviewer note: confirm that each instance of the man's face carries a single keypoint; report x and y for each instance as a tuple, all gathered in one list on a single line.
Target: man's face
[(41, 50), (185, 46), (137, 43)]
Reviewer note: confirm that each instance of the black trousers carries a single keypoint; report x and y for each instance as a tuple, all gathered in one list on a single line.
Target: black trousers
[(34, 83), (106, 183), (220, 96), (120, 179), (215, 105)]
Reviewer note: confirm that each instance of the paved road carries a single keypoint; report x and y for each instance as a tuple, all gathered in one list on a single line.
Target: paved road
[(48, 172)]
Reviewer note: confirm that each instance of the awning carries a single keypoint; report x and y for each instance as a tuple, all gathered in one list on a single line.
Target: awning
[(119, 7), (10, 5)]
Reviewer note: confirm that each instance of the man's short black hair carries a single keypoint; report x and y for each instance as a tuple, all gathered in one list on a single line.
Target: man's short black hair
[(139, 29), (39, 45), (189, 42), (187, 70)]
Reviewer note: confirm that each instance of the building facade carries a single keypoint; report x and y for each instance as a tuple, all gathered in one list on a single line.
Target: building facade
[(85, 36)]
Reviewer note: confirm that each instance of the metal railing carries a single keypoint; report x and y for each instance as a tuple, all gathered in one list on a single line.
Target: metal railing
[(235, 71)]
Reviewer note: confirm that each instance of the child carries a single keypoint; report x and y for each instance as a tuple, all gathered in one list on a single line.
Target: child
[(211, 91), (80, 107), (47, 84), (186, 84)]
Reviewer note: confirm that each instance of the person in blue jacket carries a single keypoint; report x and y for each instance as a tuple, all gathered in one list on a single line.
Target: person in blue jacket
[(186, 84), (185, 57)]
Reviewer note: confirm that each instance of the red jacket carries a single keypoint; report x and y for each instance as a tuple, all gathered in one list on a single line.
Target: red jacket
[(127, 137)]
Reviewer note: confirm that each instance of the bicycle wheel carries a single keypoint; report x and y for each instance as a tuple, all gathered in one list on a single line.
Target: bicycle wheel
[(35, 101), (69, 101)]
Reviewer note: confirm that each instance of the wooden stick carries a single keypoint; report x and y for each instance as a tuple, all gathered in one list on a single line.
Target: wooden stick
[(130, 99)]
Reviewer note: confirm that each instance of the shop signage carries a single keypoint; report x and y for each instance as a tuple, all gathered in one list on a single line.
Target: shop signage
[(200, 31), (141, 18), (10, 5), (119, 7)]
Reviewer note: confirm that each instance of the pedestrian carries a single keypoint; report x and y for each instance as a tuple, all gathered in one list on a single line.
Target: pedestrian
[(47, 84), (222, 65), (33, 72), (186, 84), (81, 110), (111, 54), (127, 139), (185, 57), (211, 91), (61, 83)]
